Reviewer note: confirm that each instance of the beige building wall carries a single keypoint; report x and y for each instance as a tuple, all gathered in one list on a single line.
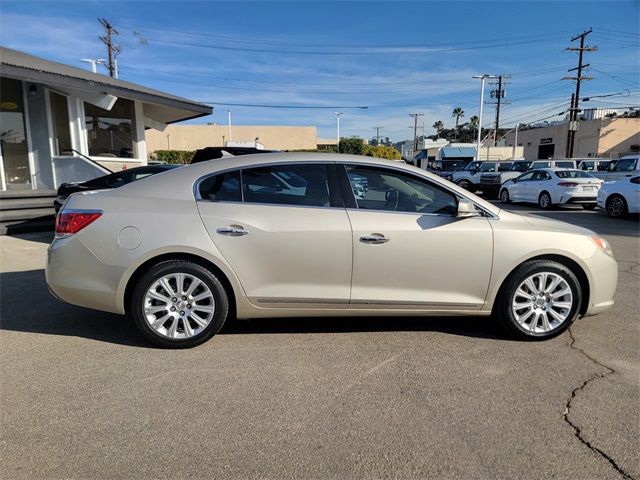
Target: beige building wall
[(605, 137), (193, 137)]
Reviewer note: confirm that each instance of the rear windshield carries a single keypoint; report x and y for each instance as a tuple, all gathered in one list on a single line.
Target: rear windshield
[(565, 165), (573, 174)]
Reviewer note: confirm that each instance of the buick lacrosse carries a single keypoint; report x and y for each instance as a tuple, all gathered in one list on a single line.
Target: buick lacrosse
[(293, 234)]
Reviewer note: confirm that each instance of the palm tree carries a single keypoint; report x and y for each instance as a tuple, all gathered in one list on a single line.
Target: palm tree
[(474, 122), (439, 126), (458, 113)]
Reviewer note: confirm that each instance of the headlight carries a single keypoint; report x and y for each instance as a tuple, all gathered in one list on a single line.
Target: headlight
[(603, 245)]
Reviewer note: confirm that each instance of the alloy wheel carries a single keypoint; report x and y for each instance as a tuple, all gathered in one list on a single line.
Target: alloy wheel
[(545, 200), (178, 306), (542, 302), (504, 196), (615, 206)]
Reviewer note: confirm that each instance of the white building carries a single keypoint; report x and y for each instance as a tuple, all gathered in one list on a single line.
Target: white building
[(60, 123)]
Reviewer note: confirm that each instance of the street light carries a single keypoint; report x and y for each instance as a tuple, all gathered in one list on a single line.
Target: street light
[(94, 62), (482, 79), (337, 114)]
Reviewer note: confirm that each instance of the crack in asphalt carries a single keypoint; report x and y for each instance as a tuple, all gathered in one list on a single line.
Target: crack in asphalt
[(577, 431)]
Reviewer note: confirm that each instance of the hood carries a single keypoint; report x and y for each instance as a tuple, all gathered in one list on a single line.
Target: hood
[(546, 224)]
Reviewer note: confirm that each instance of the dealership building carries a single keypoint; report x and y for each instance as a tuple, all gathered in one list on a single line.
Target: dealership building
[(60, 123)]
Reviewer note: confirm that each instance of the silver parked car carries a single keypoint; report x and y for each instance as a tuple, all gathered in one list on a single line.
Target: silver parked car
[(299, 234)]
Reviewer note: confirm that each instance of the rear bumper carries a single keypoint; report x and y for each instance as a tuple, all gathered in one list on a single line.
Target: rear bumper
[(75, 275), (578, 199)]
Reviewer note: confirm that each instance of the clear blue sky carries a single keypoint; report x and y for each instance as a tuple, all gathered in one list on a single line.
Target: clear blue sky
[(395, 57)]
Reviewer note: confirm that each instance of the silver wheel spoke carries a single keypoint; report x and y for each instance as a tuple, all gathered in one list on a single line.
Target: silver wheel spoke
[(562, 305), (169, 315), (165, 285), (561, 293), (200, 321), (180, 283), (157, 296)]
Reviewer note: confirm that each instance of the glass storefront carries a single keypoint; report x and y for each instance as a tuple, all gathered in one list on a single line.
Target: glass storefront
[(13, 138), (110, 132)]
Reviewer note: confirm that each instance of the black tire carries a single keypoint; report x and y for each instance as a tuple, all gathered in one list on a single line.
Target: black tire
[(504, 196), (466, 184), (589, 206), (220, 297), (502, 308), (544, 201), (616, 206)]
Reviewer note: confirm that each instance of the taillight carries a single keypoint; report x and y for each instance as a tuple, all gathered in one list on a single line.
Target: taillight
[(567, 184), (69, 222)]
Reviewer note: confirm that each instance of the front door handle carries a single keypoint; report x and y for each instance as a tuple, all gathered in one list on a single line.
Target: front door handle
[(233, 231), (374, 239)]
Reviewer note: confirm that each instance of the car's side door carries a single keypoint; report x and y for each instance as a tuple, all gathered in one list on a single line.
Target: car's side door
[(284, 231), (518, 188), (539, 182), (410, 250)]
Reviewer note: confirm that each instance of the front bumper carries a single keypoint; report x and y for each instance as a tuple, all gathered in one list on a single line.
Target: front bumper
[(603, 282), (75, 275)]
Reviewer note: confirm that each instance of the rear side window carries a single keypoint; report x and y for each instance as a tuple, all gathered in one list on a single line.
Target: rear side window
[(565, 165), (222, 188), (541, 165), (488, 167), (306, 185)]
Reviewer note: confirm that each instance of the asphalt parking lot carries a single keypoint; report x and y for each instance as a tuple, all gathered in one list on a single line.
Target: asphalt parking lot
[(82, 395)]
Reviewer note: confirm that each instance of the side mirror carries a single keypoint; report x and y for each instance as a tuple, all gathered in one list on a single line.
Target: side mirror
[(466, 208)]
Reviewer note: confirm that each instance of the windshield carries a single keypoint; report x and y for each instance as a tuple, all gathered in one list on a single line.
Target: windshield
[(520, 166), (573, 174), (473, 166)]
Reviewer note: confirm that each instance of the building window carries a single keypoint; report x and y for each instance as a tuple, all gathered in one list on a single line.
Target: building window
[(13, 137), (110, 132), (60, 122)]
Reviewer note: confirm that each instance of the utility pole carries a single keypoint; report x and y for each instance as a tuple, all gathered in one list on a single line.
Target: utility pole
[(575, 98), (377, 129), (415, 131), (111, 48), (499, 95), (229, 124), (482, 80), (94, 62)]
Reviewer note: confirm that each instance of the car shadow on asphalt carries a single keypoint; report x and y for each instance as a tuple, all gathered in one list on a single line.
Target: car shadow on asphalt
[(46, 315)]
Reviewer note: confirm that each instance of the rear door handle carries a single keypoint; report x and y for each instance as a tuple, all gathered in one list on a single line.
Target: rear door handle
[(374, 239), (233, 231)]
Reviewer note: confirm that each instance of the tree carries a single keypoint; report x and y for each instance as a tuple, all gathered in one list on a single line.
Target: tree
[(352, 145), (382, 151), (474, 122), (457, 113), (439, 126)]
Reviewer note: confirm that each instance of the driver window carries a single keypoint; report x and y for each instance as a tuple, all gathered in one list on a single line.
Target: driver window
[(525, 177), (390, 190)]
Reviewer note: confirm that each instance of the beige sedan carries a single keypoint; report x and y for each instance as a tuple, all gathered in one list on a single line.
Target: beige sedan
[(297, 235)]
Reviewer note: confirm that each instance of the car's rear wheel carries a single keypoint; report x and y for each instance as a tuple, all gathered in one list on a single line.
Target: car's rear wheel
[(539, 300), (588, 206), (544, 201), (466, 184), (504, 196), (616, 206), (179, 304)]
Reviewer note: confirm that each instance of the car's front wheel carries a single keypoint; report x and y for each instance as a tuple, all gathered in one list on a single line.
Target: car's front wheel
[(539, 300), (179, 304), (466, 184), (504, 196)]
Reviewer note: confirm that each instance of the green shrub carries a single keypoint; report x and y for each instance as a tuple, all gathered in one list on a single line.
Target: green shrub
[(172, 156), (382, 151), (352, 145)]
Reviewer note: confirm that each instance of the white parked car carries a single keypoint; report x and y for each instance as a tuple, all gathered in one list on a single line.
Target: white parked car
[(621, 197), (553, 186)]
